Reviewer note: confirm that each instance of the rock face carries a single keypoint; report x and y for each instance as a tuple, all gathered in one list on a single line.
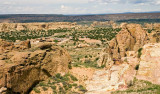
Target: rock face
[(130, 38), (21, 71), (105, 58), (154, 36), (150, 63), (115, 78), (118, 77)]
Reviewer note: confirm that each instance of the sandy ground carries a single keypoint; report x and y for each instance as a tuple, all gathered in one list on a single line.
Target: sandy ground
[(82, 74)]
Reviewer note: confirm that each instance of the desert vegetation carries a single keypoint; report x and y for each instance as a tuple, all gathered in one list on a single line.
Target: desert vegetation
[(58, 84), (29, 34), (141, 87), (56, 61)]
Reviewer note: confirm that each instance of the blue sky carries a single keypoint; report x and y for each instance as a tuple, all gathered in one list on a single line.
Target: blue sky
[(77, 6)]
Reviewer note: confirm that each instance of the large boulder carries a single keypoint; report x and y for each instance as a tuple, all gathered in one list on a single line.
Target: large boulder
[(21, 71)]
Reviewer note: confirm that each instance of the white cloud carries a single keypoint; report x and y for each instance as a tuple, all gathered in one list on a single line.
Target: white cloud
[(77, 6), (62, 6), (157, 2)]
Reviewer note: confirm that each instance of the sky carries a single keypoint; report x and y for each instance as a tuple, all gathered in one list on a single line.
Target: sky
[(77, 6)]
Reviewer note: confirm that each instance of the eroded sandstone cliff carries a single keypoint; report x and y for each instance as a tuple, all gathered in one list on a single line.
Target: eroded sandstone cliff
[(35, 26), (121, 76), (21, 70), (130, 38)]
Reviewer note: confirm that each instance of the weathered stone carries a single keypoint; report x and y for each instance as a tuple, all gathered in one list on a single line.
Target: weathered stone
[(7, 27), (105, 58), (130, 38), (150, 63), (21, 71)]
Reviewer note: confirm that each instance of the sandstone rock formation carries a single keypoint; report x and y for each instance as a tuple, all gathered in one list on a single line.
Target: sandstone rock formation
[(104, 81), (154, 37), (119, 77), (9, 46), (130, 38), (105, 58), (106, 23), (21, 71), (35, 26), (150, 63), (124, 49)]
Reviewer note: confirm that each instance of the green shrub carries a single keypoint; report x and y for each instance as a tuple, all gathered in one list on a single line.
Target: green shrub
[(140, 52), (42, 84), (137, 67), (73, 78), (69, 85), (65, 78), (97, 59), (58, 75), (74, 84), (53, 87), (62, 46), (69, 66), (36, 90), (78, 59), (56, 41), (82, 88), (44, 88)]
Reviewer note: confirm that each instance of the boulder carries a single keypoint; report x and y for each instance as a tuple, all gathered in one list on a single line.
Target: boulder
[(45, 45)]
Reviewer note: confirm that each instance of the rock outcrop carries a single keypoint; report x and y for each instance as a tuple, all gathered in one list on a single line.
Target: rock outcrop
[(21, 71), (150, 63), (129, 62), (154, 37), (119, 77), (130, 38), (105, 58), (9, 46)]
